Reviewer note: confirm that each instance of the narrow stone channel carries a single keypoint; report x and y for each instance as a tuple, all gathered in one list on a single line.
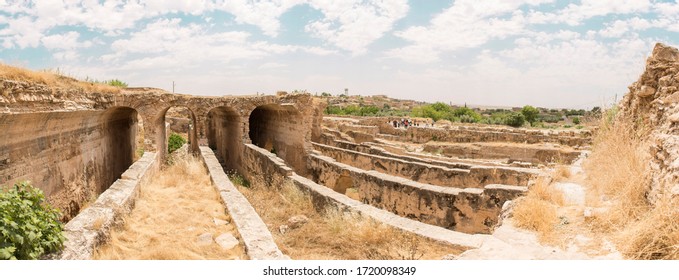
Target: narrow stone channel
[(177, 216)]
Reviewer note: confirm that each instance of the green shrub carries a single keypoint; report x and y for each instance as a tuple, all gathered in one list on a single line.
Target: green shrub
[(515, 119), (238, 179), (530, 113), (576, 120), (175, 142), (29, 227), (116, 83)]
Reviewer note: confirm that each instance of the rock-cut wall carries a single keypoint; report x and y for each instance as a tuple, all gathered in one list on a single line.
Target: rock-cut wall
[(654, 101), (73, 156)]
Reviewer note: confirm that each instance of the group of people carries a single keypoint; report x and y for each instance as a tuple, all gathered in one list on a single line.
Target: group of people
[(405, 123)]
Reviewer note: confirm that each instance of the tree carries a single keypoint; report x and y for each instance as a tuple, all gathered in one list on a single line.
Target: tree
[(466, 114), (530, 113), (576, 120), (515, 119)]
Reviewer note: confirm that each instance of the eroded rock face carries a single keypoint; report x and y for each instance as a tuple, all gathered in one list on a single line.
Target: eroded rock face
[(654, 100)]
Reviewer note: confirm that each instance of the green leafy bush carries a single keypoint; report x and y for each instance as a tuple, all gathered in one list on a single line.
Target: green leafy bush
[(515, 119), (29, 227), (576, 120), (530, 113), (116, 83), (175, 142)]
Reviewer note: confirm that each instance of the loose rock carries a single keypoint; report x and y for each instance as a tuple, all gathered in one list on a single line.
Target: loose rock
[(227, 241), (204, 239), (297, 221)]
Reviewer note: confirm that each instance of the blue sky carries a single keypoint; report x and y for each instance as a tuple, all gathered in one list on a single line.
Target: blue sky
[(491, 52)]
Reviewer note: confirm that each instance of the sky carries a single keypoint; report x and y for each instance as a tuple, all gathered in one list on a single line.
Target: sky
[(547, 53)]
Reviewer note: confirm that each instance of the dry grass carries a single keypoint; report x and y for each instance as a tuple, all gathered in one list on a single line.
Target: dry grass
[(172, 211), (654, 236), (537, 211), (335, 235), (52, 79), (562, 172), (617, 173)]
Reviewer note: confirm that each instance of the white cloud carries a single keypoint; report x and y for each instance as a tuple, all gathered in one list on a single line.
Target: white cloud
[(68, 55), (352, 25), (272, 65), (575, 14), (263, 14), (169, 43), (66, 41), (466, 24)]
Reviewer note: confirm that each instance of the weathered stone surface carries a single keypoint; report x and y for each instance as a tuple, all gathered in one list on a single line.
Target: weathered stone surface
[(645, 91), (74, 144), (297, 221), (267, 171), (227, 241), (473, 133), (474, 177), (204, 239), (660, 113), (92, 226), (254, 233), (219, 222)]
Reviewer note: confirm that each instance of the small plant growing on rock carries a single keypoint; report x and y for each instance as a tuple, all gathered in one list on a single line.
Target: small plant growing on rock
[(238, 179), (175, 142), (29, 227)]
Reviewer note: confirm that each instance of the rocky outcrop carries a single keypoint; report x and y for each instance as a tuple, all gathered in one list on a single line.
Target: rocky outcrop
[(653, 104)]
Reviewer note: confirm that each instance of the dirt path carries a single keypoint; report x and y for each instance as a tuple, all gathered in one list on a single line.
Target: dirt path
[(177, 216)]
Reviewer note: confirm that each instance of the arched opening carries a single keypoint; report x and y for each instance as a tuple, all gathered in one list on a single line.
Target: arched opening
[(71, 156), (278, 129), (121, 126), (181, 121), (224, 135)]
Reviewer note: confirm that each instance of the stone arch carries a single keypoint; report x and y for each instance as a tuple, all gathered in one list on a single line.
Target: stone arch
[(279, 129), (223, 129), (162, 135)]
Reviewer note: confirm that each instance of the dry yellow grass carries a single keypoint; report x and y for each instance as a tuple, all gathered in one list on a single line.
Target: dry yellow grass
[(654, 236), (617, 174), (334, 235), (172, 211), (537, 211), (51, 79), (562, 172), (617, 171)]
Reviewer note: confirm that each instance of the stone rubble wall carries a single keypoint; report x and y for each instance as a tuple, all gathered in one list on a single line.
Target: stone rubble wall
[(532, 153), (468, 210), (653, 102), (473, 133), (473, 177), (367, 129)]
